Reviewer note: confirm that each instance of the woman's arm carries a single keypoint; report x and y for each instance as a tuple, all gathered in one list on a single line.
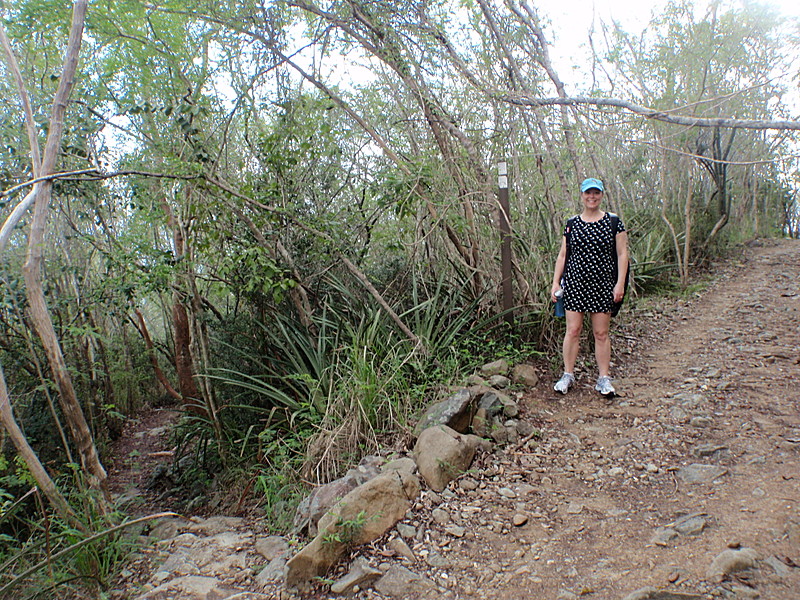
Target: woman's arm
[(558, 272), (622, 265)]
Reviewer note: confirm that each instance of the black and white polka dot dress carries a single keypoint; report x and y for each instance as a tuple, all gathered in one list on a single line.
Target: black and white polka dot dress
[(590, 270)]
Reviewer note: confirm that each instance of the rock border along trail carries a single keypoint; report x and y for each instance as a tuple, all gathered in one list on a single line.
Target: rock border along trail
[(686, 486)]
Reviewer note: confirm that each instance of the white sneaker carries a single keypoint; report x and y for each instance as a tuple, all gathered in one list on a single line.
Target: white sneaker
[(604, 386), (562, 385)]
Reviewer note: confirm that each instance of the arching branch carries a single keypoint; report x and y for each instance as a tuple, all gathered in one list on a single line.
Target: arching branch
[(649, 113)]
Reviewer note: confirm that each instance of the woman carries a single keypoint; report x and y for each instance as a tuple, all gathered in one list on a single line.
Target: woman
[(592, 267)]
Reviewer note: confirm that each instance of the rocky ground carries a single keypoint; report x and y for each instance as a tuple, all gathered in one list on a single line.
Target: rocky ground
[(645, 497)]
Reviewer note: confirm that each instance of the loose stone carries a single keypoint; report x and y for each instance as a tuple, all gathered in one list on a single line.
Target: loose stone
[(507, 492), (455, 531), (441, 516)]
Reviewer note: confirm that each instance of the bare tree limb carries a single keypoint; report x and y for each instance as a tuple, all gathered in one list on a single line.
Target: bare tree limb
[(94, 175), (30, 125), (521, 99)]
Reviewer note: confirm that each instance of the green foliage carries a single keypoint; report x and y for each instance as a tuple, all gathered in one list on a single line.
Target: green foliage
[(41, 556), (277, 481), (14, 473), (345, 531), (652, 259)]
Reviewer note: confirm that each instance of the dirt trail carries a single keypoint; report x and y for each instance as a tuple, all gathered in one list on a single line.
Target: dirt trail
[(717, 384), (699, 453)]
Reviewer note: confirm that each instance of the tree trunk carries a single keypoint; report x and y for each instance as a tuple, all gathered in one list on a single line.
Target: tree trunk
[(687, 241), (40, 315), (148, 342), (38, 471), (184, 361)]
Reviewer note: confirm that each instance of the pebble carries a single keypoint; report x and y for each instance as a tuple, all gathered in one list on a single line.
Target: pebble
[(434, 498), (697, 473), (690, 524), (574, 508), (455, 530), (507, 492), (780, 568), (400, 546), (524, 489), (663, 536), (436, 560), (731, 561), (519, 520), (743, 592), (523, 570), (715, 450), (700, 422), (468, 484), (406, 530), (440, 515)]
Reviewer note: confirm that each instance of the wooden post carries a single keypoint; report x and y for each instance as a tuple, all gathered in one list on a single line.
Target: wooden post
[(505, 243)]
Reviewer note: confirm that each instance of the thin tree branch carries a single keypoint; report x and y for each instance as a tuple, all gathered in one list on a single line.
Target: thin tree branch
[(30, 125), (95, 176), (354, 270)]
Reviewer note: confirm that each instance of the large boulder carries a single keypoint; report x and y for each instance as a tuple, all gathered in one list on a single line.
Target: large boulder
[(192, 587), (363, 515), (320, 501), (525, 375), (498, 367), (442, 454), (455, 412), (731, 561)]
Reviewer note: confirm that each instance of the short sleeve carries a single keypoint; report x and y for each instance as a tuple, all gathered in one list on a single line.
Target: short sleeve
[(620, 226), (568, 226)]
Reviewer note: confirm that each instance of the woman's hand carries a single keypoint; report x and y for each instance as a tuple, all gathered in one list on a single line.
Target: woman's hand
[(619, 292), (553, 291)]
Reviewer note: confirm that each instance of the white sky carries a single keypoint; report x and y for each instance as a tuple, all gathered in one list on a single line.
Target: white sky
[(571, 20), (576, 15)]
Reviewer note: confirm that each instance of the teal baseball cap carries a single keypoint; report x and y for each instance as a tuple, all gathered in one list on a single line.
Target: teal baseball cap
[(590, 183)]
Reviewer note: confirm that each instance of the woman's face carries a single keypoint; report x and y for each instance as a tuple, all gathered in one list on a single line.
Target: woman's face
[(592, 198)]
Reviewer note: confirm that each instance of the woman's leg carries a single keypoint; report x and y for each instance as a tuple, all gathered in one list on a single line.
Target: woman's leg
[(602, 342), (572, 340)]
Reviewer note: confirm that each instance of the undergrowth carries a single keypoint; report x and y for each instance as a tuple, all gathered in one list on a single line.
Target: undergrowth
[(43, 557)]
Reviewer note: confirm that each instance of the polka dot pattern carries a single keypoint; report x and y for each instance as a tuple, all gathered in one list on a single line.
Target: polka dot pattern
[(590, 274)]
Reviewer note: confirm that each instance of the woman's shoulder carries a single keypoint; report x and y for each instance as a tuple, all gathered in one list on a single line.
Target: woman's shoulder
[(616, 222)]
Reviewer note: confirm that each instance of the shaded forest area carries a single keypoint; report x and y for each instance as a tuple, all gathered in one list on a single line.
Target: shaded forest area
[(282, 219)]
